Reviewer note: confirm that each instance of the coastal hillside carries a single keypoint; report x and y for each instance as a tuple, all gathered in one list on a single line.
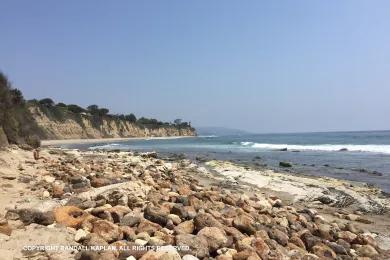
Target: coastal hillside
[(17, 126), (60, 121), (27, 122)]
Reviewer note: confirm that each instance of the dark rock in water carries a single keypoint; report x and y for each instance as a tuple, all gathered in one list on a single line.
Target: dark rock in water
[(343, 150), (283, 150), (285, 164), (200, 159), (377, 173), (326, 165), (296, 151), (257, 158)]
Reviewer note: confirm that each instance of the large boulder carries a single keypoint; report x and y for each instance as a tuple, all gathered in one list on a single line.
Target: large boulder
[(40, 212), (70, 216)]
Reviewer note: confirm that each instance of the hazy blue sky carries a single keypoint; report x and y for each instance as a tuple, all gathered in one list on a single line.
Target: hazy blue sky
[(263, 66)]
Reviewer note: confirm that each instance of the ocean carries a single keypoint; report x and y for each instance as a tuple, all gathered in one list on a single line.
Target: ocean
[(354, 156)]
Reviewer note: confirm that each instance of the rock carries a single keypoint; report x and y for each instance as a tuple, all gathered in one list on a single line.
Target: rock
[(97, 182), (279, 236), (148, 226), (297, 241), (143, 236), (262, 249), (310, 240), (244, 224), (5, 227), (81, 235), (179, 209), (203, 220), (175, 219), (107, 230), (57, 191), (285, 164), (346, 235), (366, 239), (128, 232), (156, 215), (367, 251), (140, 242), (184, 190), (130, 220), (323, 251), (246, 255), (244, 244), (70, 216), (164, 253), (352, 217), (40, 212), (117, 212), (186, 227), (190, 257), (215, 237), (156, 241), (338, 249), (234, 232), (87, 255), (197, 245), (95, 240), (353, 228), (49, 179)]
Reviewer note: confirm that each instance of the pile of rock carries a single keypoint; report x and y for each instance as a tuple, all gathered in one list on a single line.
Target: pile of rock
[(136, 203)]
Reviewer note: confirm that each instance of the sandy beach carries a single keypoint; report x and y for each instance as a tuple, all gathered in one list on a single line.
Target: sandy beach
[(135, 202), (58, 142)]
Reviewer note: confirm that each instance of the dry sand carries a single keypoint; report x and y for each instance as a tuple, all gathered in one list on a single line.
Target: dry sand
[(103, 140)]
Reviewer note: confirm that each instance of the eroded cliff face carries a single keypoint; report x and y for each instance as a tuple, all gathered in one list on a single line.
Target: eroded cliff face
[(83, 127)]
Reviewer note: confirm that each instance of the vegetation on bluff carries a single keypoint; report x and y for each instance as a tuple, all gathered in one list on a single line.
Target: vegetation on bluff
[(61, 112), (16, 123)]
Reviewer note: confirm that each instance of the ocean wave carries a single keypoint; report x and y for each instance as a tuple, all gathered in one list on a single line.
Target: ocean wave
[(372, 148), (107, 146)]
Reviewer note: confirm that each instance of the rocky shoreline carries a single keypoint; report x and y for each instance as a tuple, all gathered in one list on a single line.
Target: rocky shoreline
[(126, 205)]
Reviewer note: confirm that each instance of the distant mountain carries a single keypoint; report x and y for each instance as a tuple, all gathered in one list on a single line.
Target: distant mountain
[(220, 131)]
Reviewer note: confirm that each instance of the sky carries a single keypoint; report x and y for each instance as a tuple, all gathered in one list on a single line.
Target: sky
[(261, 66)]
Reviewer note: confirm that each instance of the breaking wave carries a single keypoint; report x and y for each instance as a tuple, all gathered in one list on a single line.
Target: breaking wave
[(108, 146), (371, 148)]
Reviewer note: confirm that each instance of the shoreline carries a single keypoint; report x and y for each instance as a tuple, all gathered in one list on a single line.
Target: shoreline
[(152, 201), (54, 142)]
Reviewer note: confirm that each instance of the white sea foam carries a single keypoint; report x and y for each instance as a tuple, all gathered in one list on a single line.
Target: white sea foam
[(372, 148), (107, 146)]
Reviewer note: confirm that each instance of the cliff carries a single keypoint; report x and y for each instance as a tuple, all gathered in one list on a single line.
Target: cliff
[(83, 125)]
